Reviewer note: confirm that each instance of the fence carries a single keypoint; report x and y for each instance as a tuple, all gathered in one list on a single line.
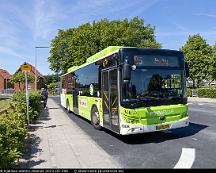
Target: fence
[(7, 91)]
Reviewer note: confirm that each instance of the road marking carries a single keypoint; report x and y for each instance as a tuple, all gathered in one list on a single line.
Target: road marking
[(187, 158), (200, 104), (190, 103)]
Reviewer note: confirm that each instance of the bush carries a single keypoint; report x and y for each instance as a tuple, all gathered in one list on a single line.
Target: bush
[(13, 127), (189, 92), (203, 92), (207, 92), (13, 131), (34, 103), (54, 92)]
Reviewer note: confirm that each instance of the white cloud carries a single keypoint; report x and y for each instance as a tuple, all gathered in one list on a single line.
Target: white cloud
[(143, 6), (11, 52), (47, 15)]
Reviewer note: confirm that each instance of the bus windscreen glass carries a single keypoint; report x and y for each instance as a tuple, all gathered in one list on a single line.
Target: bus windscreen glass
[(153, 87)]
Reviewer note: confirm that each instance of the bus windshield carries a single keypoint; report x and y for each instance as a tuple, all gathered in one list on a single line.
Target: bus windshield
[(153, 87)]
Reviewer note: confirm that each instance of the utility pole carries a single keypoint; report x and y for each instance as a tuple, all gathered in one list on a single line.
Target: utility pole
[(26, 68)]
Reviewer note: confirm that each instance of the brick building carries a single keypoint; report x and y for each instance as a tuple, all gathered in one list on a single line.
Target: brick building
[(40, 79), (4, 80)]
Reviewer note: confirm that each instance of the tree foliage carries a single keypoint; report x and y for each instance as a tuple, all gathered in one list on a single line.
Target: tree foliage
[(73, 46), (19, 78), (213, 63), (50, 78), (198, 53)]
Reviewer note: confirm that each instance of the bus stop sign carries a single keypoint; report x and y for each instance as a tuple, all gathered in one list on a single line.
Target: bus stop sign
[(25, 67)]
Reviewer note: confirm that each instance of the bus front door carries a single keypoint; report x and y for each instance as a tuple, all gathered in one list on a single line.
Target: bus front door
[(110, 99)]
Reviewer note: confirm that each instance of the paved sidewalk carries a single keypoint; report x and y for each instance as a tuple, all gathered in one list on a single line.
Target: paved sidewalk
[(197, 99), (57, 142)]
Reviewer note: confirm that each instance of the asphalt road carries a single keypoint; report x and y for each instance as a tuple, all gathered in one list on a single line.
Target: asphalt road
[(162, 149)]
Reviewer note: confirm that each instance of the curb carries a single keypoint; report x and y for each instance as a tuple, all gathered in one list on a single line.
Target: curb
[(198, 99)]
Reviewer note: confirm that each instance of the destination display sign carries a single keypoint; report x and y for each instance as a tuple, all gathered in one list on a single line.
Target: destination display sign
[(156, 60)]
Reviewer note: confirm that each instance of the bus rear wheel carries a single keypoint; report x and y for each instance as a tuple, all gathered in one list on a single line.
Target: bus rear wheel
[(95, 119)]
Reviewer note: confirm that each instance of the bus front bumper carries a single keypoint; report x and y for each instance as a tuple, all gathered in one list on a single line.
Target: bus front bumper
[(131, 129)]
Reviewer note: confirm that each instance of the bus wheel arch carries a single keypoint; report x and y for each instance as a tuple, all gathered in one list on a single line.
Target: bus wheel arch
[(95, 118)]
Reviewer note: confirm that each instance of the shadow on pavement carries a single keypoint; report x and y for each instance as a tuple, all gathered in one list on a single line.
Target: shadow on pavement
[(40, 121), (159, 137), (31, 148), (153, 137), (145, 138)]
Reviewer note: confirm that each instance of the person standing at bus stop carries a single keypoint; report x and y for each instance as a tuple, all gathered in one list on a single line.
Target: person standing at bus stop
[(44, 95)]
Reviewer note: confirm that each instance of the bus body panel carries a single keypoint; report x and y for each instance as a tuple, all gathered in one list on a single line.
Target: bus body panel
[(142, 120), (85, 105), (134, 129)]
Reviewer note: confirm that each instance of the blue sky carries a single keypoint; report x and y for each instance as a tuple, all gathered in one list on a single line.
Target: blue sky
[(25, 24)]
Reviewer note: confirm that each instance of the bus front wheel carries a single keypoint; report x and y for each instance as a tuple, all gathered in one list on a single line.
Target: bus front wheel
[(95, 119)]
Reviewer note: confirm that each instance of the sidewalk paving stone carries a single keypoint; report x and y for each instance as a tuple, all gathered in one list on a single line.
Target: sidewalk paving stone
[(57, 142)]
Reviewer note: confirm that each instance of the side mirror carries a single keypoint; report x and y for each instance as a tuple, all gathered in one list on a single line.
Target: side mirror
[(126, 71), (186, 69)]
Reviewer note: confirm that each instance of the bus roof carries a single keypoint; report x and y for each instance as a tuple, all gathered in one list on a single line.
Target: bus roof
[(109, 51), (100, 55)]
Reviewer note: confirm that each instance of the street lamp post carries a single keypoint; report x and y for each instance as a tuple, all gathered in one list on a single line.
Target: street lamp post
[(37, 47)]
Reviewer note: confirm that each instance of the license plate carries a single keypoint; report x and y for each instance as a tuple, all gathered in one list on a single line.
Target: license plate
[(161, 127)]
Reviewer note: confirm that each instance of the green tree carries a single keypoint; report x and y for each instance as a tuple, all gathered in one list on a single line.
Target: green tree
[(213, 63), (50, 78), (52, 87), (19, 78), (73, 46), (198, 54)]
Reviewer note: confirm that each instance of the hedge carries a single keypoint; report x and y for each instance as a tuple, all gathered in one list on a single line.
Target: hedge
[(203, 92), (207, 92), (34, 104), (13, 131), (13, 127)]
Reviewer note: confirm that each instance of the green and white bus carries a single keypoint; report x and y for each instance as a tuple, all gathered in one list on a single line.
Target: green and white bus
[(129, 90)]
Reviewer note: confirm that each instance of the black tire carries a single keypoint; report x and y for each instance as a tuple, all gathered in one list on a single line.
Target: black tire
[(68, 107), (95, 119)]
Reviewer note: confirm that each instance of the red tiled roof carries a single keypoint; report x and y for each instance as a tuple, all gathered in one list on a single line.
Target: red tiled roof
[(33, 70), (5, 74)]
